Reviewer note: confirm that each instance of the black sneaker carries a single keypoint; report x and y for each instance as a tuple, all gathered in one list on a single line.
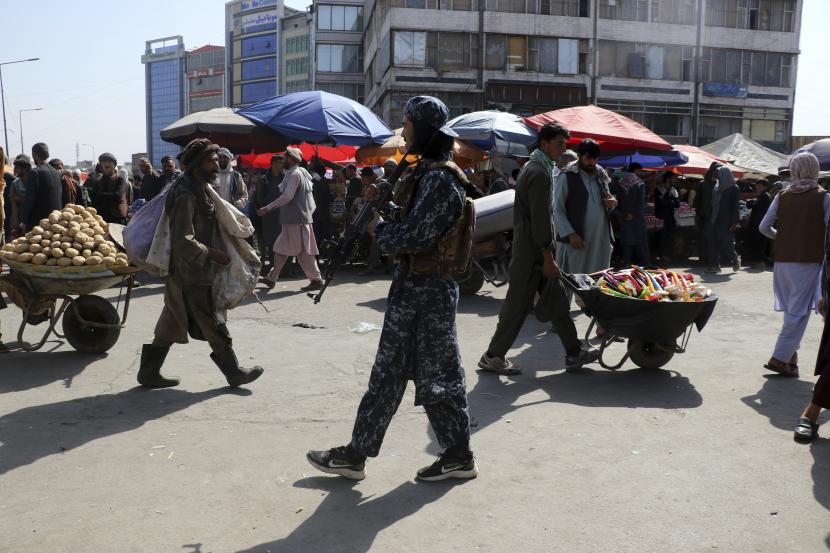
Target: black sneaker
[(449, 465), (337, 461), (585, 356)]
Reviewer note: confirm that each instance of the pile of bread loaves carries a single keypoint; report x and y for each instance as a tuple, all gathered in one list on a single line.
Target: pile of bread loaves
[(76, 236)]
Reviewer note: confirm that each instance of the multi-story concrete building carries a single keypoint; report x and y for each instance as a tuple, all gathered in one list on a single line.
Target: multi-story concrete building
[(338, 47), (205, 84), (691, 70), (164, 62), (297, 58), (253, 49)]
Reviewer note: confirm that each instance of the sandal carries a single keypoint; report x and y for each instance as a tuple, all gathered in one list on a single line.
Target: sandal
[(806, 431), (784, 369)]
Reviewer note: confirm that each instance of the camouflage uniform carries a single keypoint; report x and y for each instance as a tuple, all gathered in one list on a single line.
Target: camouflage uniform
[(419, 339)]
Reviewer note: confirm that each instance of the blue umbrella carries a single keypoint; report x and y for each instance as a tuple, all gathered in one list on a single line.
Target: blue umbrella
[(650, 160), (819, 148), (483, 128), (319, 117)]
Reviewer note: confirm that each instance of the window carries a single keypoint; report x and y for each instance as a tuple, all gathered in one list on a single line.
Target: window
[(259, 45), (416, 4), (763, 15), (208, 82), (646, 61), (452, 50), (259, 69), (410, 48), (460, 5), (296, 45), (495, 56), (297, 86), (339, 58), (339, 18), (681, 12), (206, 103), (353, 91), (746, 67), (254, 92), (297, 66)]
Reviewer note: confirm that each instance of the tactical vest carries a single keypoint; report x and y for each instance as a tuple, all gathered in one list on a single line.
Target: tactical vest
[(451, 253)]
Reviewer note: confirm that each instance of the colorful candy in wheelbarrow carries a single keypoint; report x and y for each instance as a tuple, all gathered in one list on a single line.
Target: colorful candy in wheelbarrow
[(654, 285)]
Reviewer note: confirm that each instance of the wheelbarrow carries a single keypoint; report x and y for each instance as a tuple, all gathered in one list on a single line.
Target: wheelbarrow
[(651, 328), (90, 323)]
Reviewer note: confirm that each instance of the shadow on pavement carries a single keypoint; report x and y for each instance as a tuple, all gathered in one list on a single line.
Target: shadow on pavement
[(36, 432), (782, 400), (820, 451), (348, 522), (495, 398), (27, 370), (481, 304)]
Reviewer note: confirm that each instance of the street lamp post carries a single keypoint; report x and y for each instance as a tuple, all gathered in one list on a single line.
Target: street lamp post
[(3, 95), (20, 113)]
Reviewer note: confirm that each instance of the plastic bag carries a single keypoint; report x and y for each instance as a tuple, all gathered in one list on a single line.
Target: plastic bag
[(140, 232), (237, 280), (364, 328)]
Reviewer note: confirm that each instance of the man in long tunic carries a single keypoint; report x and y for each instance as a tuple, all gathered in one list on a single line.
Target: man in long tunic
[(195, 257), (581, 203), (296, 205), (419, 338)]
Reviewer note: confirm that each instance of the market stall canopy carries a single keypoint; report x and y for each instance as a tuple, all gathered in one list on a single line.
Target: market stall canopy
[(319, 117), (484, 128), (612, 130), (819, 148), (700, 160), (224, 127), (375, 154), (334, 154), (746, 154)]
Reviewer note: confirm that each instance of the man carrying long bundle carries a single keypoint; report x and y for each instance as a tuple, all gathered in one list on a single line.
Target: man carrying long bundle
[(195, 257)]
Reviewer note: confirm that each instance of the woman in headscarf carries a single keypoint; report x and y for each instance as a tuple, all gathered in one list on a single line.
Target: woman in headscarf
[(797, 222), (723, 221)]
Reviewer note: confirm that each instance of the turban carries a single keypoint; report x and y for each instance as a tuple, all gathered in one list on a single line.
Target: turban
[(197, 150)]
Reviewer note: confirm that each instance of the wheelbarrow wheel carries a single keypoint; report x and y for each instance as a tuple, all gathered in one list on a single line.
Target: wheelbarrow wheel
[(649, 355), (86, 338), (470, 281)]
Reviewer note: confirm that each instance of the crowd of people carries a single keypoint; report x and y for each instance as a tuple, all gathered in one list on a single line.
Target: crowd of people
[(571, 215)]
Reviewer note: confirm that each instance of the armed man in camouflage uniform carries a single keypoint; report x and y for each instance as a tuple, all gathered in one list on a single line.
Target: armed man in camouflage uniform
[(419, 338)]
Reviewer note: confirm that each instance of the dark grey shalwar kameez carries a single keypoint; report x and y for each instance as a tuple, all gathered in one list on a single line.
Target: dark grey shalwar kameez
[(188, 301), (419, 339)]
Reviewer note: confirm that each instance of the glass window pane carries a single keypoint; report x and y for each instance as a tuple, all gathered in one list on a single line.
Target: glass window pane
[(419, 48), (758, 68), (548, 57), (338, 18), (496, 51), (568, 56), (324, 17), (403, 48), (773, 70)]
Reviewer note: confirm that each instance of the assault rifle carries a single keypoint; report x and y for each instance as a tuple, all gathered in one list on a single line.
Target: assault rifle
[(343, 250)]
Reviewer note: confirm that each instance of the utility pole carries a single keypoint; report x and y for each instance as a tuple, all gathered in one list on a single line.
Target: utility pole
[(3, 96)]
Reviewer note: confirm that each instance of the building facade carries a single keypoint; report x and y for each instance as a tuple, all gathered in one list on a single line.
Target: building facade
[(296, 64), (253, 49), (205, 84), (691, 70), (164, 62), (338, 47)]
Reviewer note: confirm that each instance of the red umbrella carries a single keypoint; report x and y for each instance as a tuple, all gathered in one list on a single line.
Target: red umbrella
[(612, 130), (338, 154)]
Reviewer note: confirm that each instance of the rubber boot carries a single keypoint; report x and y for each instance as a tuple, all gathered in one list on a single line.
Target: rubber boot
[(236, 375), (149, 374)]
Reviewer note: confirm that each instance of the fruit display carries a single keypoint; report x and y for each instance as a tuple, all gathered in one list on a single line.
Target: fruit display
[(655, 285), (74, 237)]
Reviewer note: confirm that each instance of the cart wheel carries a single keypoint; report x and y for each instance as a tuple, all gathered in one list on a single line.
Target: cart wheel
[(649, 355), (470, 281), (88, 339)]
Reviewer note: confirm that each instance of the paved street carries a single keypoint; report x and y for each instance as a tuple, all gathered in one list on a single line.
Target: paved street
[(695, 458)]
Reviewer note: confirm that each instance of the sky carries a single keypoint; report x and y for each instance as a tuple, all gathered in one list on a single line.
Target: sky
[(89, 80)]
